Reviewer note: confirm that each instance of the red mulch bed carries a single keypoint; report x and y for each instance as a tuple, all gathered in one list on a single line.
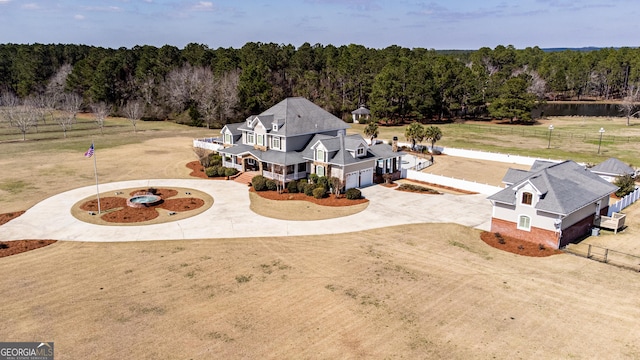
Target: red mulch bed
[(444, 187), (126, 214), (5, 218), (517, 246), (8, 248), (197, 170), (330, 200)]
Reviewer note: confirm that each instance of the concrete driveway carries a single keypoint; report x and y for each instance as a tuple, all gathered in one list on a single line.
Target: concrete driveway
[(230, 216)]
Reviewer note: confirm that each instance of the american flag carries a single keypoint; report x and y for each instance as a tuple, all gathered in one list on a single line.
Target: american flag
[(89, 153)]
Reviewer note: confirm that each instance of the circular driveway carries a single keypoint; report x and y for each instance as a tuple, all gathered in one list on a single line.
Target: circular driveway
[(230, 216)]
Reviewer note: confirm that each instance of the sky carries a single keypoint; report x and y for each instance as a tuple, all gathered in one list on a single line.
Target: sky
[(431, 24)]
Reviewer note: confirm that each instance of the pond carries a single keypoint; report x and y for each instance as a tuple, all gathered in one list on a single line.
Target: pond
[(576, 109)]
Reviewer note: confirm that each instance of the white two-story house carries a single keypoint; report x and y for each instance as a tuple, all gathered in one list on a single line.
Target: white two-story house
[(295, 138)]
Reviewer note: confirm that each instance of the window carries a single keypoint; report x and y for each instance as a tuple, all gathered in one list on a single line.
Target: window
[(227, 138), (320, 170), (524, 223), (260, 139), (275, 142), (527, 198), (360, 151), (250, 138), (320, 155)]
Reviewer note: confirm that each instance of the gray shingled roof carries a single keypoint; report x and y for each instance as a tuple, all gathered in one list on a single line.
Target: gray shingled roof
[(299, 116), (384, 151), (565, 188), (361, 111), (233, 128), (613, 167)]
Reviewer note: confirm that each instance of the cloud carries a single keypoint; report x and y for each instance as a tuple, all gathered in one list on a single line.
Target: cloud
[(31, 6), (203, 6), (78, 17), (102, 8), (4, 2)]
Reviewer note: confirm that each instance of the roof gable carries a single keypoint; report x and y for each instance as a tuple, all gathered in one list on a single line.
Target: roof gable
[(563, 188), (613, 166)]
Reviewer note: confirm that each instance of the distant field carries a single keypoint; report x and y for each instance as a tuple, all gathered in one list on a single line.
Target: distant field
[(575, 138)]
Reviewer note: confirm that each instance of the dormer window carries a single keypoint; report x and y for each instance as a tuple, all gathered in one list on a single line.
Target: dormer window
[(227, 138), (320, 155), (527, 198), (249, 123), (275, 127), (360, 151)]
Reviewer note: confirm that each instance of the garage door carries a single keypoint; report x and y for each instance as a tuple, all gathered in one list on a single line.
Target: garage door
[(351, 180), (366, 177)]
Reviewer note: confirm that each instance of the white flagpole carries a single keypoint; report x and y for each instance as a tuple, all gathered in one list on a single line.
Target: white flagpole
[(95, 170)]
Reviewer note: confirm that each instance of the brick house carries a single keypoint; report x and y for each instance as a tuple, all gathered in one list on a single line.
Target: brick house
[(552, 204)]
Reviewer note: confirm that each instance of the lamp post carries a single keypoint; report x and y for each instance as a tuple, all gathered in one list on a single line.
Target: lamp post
[(601, 131), (550, 130)]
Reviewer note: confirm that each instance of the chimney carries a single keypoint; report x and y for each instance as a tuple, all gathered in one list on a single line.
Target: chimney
[(394, 144)]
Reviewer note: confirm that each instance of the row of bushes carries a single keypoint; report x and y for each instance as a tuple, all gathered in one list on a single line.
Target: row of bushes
[(318, 187), (218, 170)]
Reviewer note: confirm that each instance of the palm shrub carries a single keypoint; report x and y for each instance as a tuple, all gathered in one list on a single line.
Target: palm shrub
[(353, 194), (292, 187), (319, 192), (259, 183)]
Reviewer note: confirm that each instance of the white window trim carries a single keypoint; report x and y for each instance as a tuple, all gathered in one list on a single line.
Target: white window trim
[(318, 152), (520, 217), (360, 151), (522, 198), (227, 138), (260, 139), (275, 142), (323, 170), (251, 138)]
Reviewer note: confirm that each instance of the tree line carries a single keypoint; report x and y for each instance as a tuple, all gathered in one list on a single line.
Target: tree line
[(211, 87)]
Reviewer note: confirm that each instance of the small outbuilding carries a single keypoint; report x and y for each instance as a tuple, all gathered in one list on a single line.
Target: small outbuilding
[(612, 168), (361, 113)]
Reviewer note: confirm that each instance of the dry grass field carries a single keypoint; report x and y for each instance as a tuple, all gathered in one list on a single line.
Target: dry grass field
[(407, 292)]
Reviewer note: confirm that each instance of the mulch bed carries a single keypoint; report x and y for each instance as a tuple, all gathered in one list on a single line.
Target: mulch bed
[(418, 189), (8, 248), (125, 214), (516, 246), (444, 187), (330, 200), (197, 170)]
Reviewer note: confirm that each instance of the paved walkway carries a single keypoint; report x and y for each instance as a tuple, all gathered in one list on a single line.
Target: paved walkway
[(230, 216)]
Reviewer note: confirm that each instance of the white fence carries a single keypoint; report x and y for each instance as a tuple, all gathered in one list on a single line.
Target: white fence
[(453, 182), (213, 144), (624, 202), (484, 155)]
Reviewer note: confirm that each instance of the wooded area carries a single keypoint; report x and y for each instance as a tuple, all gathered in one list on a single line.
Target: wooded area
[(210, 87)]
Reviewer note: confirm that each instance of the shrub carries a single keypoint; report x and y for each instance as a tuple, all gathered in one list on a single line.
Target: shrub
[(215, 159), (292, 187), (230, 171), (319, 192), (353, 194), (313, 178), (259, 183), (626, 184), (323, 181), (211, 171), (308, 189), (272, 184), (302, 184)]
